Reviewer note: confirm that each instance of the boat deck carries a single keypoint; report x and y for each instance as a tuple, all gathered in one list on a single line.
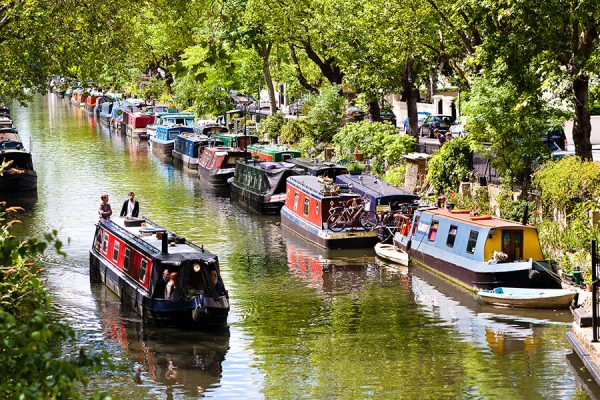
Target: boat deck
[(151, 240)]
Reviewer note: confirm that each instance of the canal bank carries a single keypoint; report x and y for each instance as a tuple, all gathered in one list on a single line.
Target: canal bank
[(357, 330)]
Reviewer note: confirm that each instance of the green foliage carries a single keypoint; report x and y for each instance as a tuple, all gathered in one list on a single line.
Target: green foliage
[(565, 183), (375, 140), (355, 167), (271, 126), (293, 130), (449, 166), (396, 175), (325, 113), (478, 202), (32, 366)]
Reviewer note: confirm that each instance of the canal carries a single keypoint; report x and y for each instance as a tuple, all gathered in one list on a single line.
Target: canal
[(360, 329)]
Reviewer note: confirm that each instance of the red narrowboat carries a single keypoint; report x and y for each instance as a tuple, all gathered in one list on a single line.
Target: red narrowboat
[(217, 164), (130, 256), (136, 123), (90, 103), (309, 204)]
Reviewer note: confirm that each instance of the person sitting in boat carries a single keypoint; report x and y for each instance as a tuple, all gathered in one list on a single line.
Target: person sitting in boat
[(216, 283), (170, 289), (104, 209), (131, 207), (161, 285)]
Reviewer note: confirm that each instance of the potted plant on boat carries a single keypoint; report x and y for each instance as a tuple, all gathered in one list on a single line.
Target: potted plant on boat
[(358, 155), (355, 168)]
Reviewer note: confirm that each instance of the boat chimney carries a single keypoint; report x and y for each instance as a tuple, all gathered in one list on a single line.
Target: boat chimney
[(165, 243)]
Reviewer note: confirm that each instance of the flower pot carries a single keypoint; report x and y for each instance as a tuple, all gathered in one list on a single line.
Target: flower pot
[(328, 153), (358, 156)]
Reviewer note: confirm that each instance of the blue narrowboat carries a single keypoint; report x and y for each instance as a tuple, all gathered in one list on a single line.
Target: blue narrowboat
[(163, 141), (477, 252), (311, 202), (188, 148), (130, 256), (261, 186), (169, 118), (106, 112)]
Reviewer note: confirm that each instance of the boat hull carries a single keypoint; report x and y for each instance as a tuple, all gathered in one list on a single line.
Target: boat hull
[(256, 202), (392, 253), (186, 161), (331, 240), (560, 300), (183, 314), (21, 182), (139, 133), (163, 149), (216, 177)]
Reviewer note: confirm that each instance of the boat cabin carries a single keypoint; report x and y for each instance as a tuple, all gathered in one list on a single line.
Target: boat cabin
[(236, 141), (210, 129), (170, 132), (10, 139), (184, 119), (272, 152), (221, 157), (191, 144), (136, 120), (316, 167), (377, 191)]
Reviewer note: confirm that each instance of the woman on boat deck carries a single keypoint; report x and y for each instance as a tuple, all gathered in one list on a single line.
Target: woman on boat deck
[(104, 209), (171, 285)]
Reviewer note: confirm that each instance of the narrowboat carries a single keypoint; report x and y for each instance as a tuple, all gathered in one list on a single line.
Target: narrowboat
[(19, 176), (5, 122), (105, 114), (169, 118), (308, 202), (236, 141), (99, 101), (316, 167), (136, 123), (261, 186), (209, 129), (272, 152), (188, 149), (477, 252), (377, 191), (217, 164), (130, 255), (163, 141)]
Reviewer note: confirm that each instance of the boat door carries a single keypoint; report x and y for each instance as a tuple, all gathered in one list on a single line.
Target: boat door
[(512, 244)]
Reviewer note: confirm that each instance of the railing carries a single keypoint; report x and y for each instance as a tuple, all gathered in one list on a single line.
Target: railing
[(133, 237), (594, 292)]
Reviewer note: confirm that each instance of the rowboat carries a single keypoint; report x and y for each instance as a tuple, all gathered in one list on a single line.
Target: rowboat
[(392, 253), (528, 298)]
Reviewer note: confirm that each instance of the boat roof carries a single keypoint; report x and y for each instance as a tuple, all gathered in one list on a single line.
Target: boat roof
[(269, 165), (271, 148), (224, 149), (9, 137), (313, 185), (315, 163), (466, 217), (374, 186)]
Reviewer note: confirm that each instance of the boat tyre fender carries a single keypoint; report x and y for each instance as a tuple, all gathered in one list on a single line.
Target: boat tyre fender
[(534, 275), (198, 313)]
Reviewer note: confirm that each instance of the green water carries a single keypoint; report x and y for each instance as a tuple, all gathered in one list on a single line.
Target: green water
[(360, 330)]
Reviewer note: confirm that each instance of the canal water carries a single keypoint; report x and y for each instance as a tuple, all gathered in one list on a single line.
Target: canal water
[(304, 323)]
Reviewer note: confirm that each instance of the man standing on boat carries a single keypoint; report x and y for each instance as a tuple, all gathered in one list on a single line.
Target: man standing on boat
[(104, 209), (131, 207)]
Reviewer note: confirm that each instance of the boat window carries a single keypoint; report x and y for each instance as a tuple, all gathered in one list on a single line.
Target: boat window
[(116, 251), (451, 235), (433, 230), (105, 243), (126, 258), (98, 240), (317, 208), (472, 242), (306, 205), (415, 225), (143, 270), (296, 196)]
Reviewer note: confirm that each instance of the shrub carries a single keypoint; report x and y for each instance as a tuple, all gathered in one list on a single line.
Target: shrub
[(325, 113), (271, 126), (395, 175), (292, 131), (449, 166)]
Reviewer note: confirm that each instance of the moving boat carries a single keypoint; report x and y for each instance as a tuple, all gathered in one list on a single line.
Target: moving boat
[(163, 142), (272, 152), (217, 164), (130, 255), (478, 252), (19, 176), (261, 186), (188, 148), (529, 298), (310, 203), (392, 253)]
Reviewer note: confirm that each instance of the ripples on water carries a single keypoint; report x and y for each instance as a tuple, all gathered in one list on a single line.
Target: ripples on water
[(304, 323)]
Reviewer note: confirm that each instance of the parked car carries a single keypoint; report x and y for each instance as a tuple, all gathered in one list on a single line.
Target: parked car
[(421, 115), (354, 114), (556, 136), (387, 115), (440, 122)]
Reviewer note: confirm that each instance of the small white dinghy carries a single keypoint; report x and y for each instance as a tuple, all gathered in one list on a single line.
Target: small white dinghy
[(392, 253), (528, 298)]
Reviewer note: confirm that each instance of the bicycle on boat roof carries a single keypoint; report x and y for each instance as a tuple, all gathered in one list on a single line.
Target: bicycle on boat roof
[(349, 215)]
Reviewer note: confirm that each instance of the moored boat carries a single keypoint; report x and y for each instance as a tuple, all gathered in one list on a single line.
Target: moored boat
[(105, 114), (314, 206), (188, 148), (529, 298), (392, 253), (316, 167), (136, 123), (169, 118), (5, 122), (272, 152), (238, 141), (261, 186), (478, 252), (217, 164), (209, 129), (90, 102), (129, 256), (19, 175), (163, 142)]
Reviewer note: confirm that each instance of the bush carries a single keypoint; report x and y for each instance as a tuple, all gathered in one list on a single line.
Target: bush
[(395, 175), (325, 113), (292, 131), (271, 126), (449, 166)]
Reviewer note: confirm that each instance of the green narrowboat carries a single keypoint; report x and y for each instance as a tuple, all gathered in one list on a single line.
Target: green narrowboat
[(273, 152), (236, 141)]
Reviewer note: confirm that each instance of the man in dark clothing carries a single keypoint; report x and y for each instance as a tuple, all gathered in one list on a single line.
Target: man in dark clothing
[(159, 289), (131, 208)]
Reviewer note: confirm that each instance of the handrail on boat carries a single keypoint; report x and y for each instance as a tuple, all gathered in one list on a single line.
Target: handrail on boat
[(187, 242), (136, 239)]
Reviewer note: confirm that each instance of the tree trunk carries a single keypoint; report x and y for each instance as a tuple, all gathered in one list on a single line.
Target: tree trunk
[(265, 52), (582, 127), (374, 111), (301, 78), (410, 93)]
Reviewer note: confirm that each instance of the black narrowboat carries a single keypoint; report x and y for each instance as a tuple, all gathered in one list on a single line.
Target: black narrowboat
[(19, 175), (316, 167), (130, 255)]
